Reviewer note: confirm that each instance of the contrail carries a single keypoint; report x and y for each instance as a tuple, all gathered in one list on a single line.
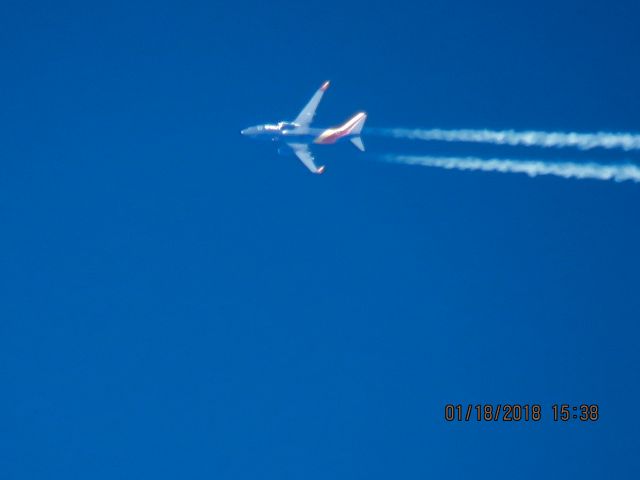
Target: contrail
[(596, 171), (583, 141)]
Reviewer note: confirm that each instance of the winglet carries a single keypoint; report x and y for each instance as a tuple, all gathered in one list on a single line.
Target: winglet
[(320, 170), (325, 85)]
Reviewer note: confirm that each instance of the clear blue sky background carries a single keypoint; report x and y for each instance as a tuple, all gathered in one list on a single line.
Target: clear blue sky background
[(179, 302)]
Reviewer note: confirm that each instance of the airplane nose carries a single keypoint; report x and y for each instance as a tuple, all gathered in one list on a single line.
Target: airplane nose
[(249, 131)]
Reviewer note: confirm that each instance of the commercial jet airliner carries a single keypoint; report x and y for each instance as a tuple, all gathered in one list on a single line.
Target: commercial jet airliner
[(297, 135)]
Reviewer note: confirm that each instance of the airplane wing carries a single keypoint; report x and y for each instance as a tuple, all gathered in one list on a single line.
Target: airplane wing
[(305, 117), (302, 152)]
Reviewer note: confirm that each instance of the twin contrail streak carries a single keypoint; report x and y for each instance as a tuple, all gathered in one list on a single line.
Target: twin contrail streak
[(583, 141), (595, 171)]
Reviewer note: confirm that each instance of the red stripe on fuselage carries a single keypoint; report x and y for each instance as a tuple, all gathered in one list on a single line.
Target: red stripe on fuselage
[(332, 135)]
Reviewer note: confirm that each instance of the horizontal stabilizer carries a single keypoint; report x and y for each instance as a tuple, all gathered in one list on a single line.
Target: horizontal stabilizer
[(357, 141)]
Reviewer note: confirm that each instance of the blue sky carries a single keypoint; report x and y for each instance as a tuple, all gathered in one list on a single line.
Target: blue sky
[(179, 302)]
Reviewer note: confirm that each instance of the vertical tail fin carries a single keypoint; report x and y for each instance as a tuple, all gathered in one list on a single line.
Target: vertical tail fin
[(354, 125)]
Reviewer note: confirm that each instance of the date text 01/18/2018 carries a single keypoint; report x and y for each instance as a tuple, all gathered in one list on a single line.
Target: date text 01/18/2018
[(519, 412)]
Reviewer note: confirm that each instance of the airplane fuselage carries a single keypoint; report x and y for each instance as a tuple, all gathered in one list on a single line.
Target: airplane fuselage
[(290, 132)]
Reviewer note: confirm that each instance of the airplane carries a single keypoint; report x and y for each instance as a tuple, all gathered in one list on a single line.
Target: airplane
[(298, 134)]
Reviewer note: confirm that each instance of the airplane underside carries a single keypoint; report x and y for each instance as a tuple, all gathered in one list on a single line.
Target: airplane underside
[(298, 135)]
